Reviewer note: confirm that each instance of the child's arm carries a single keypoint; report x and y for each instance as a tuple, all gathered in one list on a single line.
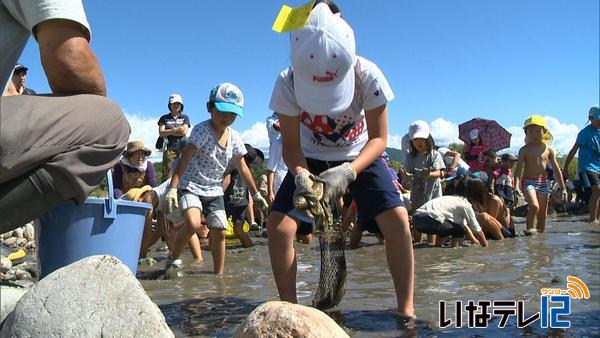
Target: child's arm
[(377, 122), (481, 237), (570, 158), (226, 181), (558, 176), (270, 185), (455, 159), (290, 141), (519, 170), (435, 174)]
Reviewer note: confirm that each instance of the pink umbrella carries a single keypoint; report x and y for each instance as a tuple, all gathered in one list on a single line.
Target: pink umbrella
[(490, 131)]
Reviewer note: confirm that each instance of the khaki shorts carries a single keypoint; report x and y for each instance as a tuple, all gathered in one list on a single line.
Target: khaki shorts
[(212, 207)]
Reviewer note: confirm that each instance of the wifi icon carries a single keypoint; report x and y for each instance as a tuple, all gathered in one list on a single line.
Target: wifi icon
[(576, 288)]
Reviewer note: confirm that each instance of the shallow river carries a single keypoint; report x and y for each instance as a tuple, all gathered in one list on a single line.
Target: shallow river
[(202, 304)]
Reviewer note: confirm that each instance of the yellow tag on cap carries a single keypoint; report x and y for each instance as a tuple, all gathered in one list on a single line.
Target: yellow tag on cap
[(291, 19)]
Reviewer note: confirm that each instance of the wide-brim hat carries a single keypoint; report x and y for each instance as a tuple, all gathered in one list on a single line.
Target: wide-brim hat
[(134, 194), (254, 157), (134, 146), (175, 98), (323, 59), (537, 120)]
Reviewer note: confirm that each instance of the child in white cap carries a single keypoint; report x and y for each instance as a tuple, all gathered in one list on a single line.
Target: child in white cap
[(424, 168), (198, 177), (325, 102)]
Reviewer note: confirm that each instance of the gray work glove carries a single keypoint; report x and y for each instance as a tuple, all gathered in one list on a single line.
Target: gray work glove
[(336, 180), (171, 201), (260, 201)]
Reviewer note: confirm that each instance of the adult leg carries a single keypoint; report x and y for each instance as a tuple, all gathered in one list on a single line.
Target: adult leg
[(594, 204), (281, 230), (169, 157), (532, 209), (394, 226), (54, 149), (542, 214), (355, 236)]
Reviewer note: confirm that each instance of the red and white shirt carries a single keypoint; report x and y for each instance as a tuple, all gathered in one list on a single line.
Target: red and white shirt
[(341, 136)]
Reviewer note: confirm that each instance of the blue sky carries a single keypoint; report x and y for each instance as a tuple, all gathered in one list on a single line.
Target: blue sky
[(447, 61)]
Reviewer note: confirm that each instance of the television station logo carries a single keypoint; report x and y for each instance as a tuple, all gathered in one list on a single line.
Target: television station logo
[(555, 306)]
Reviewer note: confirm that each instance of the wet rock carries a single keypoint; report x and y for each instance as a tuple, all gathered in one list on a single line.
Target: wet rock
[(29, 245), (283, 319), (11, 242), (22, 274), (7, 234), (5, 264), (147, 262), (10, 297), (96, 296), (18, 233), (29, 232), (21, 241)]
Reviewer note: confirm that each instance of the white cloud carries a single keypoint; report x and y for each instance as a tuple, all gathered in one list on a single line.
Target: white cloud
[(444, 132), (257, 136), (144, 129)]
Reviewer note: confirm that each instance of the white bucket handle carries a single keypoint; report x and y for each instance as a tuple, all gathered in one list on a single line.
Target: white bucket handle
[(110, 206)]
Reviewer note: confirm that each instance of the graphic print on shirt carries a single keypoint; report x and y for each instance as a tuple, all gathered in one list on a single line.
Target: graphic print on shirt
[(337, 131)]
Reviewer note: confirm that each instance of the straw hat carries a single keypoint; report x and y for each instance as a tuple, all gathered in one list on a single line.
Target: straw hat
[(134, 146), (134, 194)]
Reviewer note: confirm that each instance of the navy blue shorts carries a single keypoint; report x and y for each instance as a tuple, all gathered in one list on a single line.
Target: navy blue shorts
[(373, 190)]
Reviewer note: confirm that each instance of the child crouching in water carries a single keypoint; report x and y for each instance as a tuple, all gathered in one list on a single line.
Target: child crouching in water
[(198, 177), (530, 175)]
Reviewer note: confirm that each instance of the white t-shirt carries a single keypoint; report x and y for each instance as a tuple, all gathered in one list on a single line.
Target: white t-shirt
[(449, 159), (204, 175), (341, 136), (456, 209), (276, 163), (161, 191), (17, 19)]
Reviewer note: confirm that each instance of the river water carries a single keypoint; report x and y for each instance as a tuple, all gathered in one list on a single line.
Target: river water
[(202, 304)]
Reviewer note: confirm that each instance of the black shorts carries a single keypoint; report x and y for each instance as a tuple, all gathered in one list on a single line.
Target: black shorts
[(373, 190), (237, 213), (428, 225), (593, 179)]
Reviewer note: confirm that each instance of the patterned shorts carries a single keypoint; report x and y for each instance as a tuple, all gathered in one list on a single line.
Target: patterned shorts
[(540, 185)]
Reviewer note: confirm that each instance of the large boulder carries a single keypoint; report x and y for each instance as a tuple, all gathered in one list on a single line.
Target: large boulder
[(283, 319), (9, 297), (96, 296)]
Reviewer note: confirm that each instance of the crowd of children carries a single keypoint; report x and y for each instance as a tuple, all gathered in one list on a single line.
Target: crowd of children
[(324, 102)]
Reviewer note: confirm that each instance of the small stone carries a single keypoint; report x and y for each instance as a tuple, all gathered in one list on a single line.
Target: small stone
[(5, 264), (29, 232), (22, 274), (10, 275), (30, 246), (18, 233), (147, 262), (21, 241), (11, 242), (8, 234)]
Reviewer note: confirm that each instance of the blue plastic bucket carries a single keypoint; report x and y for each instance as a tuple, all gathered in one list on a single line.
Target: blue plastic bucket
[(97, 226)]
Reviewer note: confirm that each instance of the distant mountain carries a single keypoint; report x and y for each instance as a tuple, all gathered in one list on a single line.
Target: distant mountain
[(395, 154)]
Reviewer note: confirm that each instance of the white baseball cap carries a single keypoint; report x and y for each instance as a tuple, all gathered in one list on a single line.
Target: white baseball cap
[(175, 98), (323, 58), (227, 98), (419, 129), (473, 134)]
